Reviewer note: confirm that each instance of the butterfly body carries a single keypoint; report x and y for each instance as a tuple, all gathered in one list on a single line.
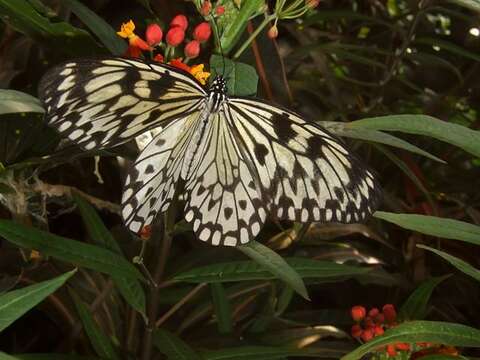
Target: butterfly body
[(238, 159)]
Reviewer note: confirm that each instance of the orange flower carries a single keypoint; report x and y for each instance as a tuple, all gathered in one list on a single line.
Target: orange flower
[(127, 32), (179, 64), (199, 74)]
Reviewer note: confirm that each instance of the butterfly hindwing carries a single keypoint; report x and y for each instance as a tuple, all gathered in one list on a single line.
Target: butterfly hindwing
[(305, 173), (222, 201), (105, 102)]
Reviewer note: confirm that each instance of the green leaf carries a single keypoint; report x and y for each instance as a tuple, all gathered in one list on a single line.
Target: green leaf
[(12, 101), (100, 342), (458, 135), (434, 226), (222, 308), (242, 79), (343, 129), (251, 270), (421, 331), (130, 289), (71, 251), (4, 356), (415, 307), (172, 346), (98, 26), (276, 265), (471, 4), (25, 18), (458, 263), (14, 304)]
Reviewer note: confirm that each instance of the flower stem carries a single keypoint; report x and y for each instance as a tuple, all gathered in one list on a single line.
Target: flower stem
[(252, 37), (168, 224)]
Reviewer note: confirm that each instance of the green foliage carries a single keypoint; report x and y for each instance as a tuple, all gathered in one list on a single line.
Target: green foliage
[(397, 79), (422, 331), (15, 303)]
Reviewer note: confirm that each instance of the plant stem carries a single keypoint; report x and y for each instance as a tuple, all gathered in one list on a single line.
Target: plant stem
[(257, 31), (168, 224)]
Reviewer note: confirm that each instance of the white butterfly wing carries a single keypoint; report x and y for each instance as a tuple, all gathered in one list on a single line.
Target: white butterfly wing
[(151, 182), (222, 200), (105, 102), (305, 173)]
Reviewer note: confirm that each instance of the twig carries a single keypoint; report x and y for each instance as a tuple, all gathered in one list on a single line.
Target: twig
[(179, 304), (64, 190), (168, 224)]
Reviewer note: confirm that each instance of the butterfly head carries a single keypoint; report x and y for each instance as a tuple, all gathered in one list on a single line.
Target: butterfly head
[(219, 86)]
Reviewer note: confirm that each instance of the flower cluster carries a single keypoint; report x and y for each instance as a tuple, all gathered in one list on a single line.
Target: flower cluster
[(290, 10), (168, 52), (374, 323)]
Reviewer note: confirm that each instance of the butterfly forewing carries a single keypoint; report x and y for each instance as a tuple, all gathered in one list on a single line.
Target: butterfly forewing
[(305, 174), (105, 102)]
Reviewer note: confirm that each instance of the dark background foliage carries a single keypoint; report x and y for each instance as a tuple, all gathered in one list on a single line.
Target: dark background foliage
[(344, 61)]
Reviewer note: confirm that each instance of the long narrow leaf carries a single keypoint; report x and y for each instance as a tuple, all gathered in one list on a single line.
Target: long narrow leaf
[(12, 101), (222, 308), (71, 251), (434, 226), (99, 27), (251, 270), (15, 303), (461, 265), (458, 135), (100, 342), (275, 264)]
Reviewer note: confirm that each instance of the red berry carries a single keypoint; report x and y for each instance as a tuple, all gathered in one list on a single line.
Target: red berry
[(356, 331), (367, 335), (380, 319), (202, 32), (192, 49), (154, 34), (220, 10), (358, 312), (180, 21), (175, 36), (369, 322), (206, 8), (373, 312), (389, 312), (391, 350), (378, 330)]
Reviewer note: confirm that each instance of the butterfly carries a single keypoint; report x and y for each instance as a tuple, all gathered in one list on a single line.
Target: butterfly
[(234, 160)]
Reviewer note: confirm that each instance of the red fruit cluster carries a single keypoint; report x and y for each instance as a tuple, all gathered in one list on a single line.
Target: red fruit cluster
[(176, 35), (371, 324)]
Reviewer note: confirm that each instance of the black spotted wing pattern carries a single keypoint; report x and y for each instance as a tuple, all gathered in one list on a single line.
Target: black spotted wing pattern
[(305, 173), (105, 102)]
